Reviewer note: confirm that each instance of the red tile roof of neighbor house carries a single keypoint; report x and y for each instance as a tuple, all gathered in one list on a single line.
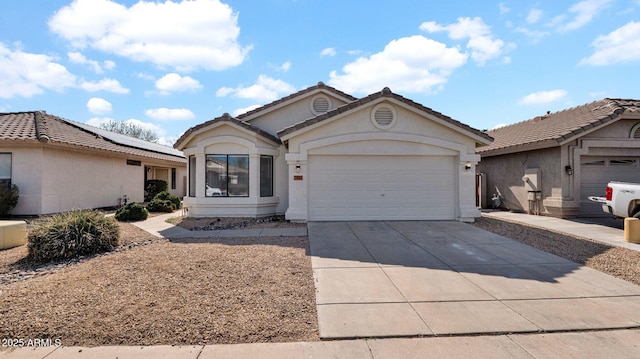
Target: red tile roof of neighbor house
[(38, 126), (555, 128), (386, 92)]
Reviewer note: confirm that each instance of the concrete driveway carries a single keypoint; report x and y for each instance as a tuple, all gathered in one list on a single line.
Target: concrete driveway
[(390, 279)]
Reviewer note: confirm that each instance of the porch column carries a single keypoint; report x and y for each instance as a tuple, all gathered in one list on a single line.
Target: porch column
[(298, 184), (467, 188)]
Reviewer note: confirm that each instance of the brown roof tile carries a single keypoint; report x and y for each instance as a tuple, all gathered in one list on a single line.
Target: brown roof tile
[(226, 118), (386, 92), (42, 127), (559, 126)]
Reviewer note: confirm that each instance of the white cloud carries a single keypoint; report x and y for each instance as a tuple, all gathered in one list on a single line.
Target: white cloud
[(173, 83), (409, 64), (542, 97), (265, 89), (583, 11), (170, 114), (482, 44), (109, 85), (533, 35), (97, 121), (27, 74), (503, 8), (329, 51), (534, 16), (99, 106), (619, 46), (499, 125), (240, 111), (285, 67), (184, 35), (79, 58)]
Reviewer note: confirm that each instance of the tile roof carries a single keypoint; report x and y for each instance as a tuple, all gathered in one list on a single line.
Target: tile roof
[(557, 127), (318, 86), (386, 92), (45, 128), (226, 118)]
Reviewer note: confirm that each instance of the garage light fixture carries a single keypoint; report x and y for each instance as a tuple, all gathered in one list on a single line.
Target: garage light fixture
[(467, 167), (298, 167), (569, 170)]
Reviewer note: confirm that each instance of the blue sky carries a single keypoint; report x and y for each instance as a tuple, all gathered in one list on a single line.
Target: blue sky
[(169, 65)]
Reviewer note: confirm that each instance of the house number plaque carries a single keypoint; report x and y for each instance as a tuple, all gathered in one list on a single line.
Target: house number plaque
[(297, 178)]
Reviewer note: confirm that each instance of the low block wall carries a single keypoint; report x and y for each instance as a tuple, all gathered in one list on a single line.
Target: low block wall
[(12, 234)]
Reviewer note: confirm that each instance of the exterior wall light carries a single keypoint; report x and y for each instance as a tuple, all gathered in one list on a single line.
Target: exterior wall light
[(467, 166), (569, 170), (298, 167)]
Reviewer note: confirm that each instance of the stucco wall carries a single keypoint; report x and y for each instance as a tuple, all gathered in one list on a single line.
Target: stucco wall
[(78, 180), (25, 163), (504, 176), (291, 114)]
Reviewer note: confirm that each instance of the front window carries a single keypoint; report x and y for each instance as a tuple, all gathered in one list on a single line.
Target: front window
[(192, 176), (227, 176), (266, 176), (5, 169)]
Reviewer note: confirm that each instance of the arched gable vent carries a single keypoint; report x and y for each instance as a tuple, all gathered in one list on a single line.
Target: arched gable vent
[(320, 105), (383, 116), (635, 131)]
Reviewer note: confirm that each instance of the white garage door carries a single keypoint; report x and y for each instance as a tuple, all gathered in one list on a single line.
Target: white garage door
[(381, 188), (597, 172)]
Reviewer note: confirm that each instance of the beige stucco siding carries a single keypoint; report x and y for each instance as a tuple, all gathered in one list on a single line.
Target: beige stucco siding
[(504, 176), (25, 173), (76, 180), (291, 114)]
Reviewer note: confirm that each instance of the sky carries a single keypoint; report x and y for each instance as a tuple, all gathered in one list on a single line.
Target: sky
[(170, 65)]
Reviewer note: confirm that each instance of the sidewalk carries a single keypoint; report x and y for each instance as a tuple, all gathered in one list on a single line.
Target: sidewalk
[(594, 232), (160, 228), (600, 344)]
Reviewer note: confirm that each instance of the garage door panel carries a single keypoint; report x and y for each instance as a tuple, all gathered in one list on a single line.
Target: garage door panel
[(378, 188), (596, 172)]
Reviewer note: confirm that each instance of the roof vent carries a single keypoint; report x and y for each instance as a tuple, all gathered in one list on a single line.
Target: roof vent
[(383, 116), (320, 105), (635, 132)]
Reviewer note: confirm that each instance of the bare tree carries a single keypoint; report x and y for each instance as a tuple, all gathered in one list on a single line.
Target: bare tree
[(130, 129)]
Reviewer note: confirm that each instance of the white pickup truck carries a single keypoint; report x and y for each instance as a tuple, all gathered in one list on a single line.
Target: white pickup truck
[(622, 199)]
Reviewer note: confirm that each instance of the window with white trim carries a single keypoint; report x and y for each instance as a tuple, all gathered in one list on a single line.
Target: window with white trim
[(5, 169), (266, 176), (227, 176)]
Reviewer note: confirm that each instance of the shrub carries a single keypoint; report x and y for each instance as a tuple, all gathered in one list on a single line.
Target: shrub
[(132, 212), (159, 205), (166, 196), (72, 234), (8, 199), (153, 187)]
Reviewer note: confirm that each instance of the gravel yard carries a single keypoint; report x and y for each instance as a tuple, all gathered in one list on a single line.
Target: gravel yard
[(618, 262), (153, 292)]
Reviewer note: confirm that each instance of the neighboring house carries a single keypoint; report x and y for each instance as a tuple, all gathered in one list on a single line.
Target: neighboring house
[(321, 154), (60, 165), (567, 156)]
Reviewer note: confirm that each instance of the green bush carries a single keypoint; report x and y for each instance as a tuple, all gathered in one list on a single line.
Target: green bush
[(8, 199), (159, 205), (153, 187), (166, 196), (72, 234), (132, 212)]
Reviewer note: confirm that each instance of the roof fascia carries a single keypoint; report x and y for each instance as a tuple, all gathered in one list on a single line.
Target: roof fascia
[(519, 148), (294, 99), (220, 123)]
